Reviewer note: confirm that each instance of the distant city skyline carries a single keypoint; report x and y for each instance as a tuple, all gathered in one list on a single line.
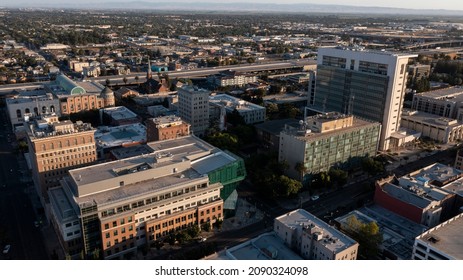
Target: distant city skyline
[(410, 4)]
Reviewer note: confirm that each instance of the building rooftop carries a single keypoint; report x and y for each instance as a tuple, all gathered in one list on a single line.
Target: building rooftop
[(276, 126), (231, 103), (63, 207), (107, 137), (430, 119), (144, 185), (446, 237), (300, 218), (368, 51), (451, 94), (398, 233), (304, 131), (417, 198), (166, 121), (436, 174), (132, 151), (267, 246), (119, 113), (189, 146), (212, 162), (49, 126)]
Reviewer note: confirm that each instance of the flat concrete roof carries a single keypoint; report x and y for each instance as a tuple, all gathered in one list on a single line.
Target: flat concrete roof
[(261, 248), (212, 162), (298, 217), (132, 151), (189, 146), (437, 172), (430, 119), (232, 103), (138, 189), (446, 237), (451, 94), (406, 195), (455, 187), (356, 124), (119, 113), (107, 137), (62, 205)]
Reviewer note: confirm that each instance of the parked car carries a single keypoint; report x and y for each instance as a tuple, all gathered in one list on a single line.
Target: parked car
[(6, 249), (314, 197)]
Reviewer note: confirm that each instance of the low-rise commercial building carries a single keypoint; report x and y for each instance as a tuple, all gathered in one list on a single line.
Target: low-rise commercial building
[(446, 102), (314, 239), (440, 129)]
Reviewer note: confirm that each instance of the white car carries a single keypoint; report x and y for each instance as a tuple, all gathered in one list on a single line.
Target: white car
[(6, 249), (314, 197)]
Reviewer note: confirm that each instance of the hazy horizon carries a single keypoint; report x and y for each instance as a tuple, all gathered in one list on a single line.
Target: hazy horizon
[(410, 4)]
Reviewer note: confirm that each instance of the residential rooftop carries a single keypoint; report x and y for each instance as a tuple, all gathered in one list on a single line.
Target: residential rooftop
[(436, 174), (48, 126)]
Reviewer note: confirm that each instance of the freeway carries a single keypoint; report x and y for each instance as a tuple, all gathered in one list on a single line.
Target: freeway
[(201, 72)]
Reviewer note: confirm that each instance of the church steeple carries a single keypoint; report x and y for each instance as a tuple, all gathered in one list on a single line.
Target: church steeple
[(149, 74)]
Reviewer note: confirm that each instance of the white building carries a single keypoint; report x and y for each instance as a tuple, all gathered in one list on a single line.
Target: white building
[(314, 239), (250, 112), (369, 84), (193, 107)]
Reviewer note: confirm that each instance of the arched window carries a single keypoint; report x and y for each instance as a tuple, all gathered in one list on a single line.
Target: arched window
[(52, 109), (60, 145), (18, 113), (36, 111), (44, 148), (52, 146), (44, 109), (68, 143), (83, 140), (27, 111)]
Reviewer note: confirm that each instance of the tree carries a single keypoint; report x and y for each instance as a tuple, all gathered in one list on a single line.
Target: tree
[(235, 118), (367, 235), (372, 166), (136, 79), (286, 187), (301, 169), (108, 82), (124, 80), (338, 175)]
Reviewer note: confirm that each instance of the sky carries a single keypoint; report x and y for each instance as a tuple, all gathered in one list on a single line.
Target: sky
[(413, 4)]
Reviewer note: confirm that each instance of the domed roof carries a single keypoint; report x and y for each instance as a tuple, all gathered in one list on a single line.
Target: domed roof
[(107, 91)]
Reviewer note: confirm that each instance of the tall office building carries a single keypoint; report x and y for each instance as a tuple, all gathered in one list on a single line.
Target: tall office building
[(193, 107), (56, 147), (368, 84)]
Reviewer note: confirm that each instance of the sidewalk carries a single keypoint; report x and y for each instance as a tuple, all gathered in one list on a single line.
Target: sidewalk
[(246, 214)]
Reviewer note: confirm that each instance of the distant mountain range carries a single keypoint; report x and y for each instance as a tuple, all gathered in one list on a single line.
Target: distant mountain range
[(232, 7)]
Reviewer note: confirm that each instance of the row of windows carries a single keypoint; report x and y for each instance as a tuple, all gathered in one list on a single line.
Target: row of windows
[(153, 199), (67, 143)]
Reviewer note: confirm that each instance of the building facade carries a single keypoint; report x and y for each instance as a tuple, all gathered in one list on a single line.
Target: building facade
[(326, 140), (164, 128), (193, 108), (314, 239), (56, 147), (440, 129), (367, 84), (133, 202), (232, 78), (446, 102)]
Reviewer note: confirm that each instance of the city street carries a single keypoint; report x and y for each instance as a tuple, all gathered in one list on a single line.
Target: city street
[(17, 214)]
